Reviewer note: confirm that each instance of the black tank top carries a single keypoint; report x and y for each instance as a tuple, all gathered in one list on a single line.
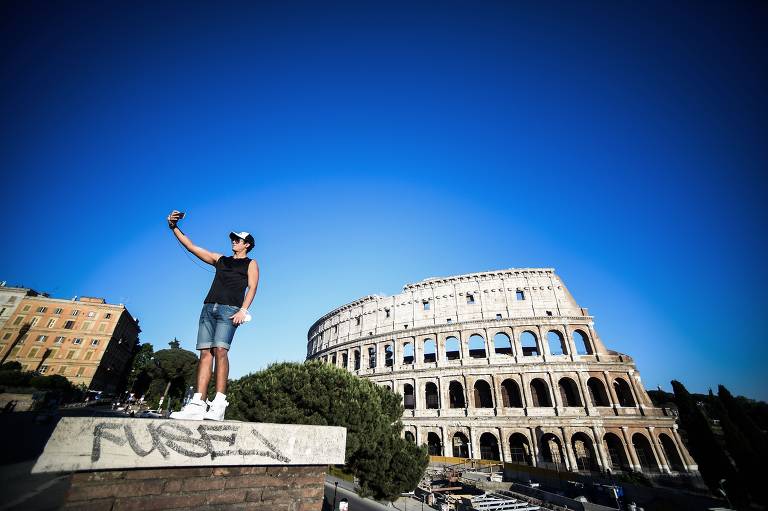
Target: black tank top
[(230, 281)]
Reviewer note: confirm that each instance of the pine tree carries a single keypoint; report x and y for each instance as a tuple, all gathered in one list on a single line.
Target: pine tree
[(316, 393)]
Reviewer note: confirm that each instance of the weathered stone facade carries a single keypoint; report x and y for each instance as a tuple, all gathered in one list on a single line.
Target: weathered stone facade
[(504, 365)]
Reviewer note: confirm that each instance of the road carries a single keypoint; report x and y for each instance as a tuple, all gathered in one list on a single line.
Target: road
[(357, 503)]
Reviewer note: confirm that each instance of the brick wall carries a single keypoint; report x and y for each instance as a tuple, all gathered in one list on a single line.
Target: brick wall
[(291, 488)]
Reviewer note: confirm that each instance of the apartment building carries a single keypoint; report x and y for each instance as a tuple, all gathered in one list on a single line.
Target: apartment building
[(86, 340), (10, 298)]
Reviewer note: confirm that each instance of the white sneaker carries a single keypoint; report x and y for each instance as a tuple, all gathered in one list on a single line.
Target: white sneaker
[(216, 409), (194, 411)]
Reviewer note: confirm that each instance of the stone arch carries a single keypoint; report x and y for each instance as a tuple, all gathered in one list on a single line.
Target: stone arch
[(502, 344), (581, 340), (551, 450), (430, 351), (345, 360), (477, 346), (510, 394), (407, 353), (434, 445), (584, 451), (597, 393), (371, 357), (452, 348), (671, 452), (556, 343), (529, 343), (540, 393), (409, 437), (489, 447), (333, 358), (644, 453), (460, 444), (569, 392), (409, 398), (456, 395), (520, 450), (389, 356), (623, 392), (483, 395), (617, 454), (431, 396), (356, 359)]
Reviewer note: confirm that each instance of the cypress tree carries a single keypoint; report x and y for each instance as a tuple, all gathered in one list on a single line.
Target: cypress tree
[(746, 454), (756, 438), (713, 462)]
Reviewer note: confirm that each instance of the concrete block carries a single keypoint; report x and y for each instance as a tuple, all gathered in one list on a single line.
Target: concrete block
[(95, 443)]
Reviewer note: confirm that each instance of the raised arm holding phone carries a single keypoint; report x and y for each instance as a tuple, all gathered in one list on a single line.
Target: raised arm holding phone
[(225, 308)]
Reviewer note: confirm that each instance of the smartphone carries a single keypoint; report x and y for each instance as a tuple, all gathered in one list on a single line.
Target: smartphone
[(181, 215)]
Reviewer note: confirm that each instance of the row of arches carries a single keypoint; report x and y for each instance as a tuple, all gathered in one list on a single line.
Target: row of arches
[(510, 395), (549, 451), (476, 347)]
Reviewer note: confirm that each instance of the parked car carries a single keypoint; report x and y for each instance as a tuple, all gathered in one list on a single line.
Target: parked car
[(149, 414)]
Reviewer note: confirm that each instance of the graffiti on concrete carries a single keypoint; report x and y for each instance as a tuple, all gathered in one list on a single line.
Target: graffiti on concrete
[(212, 440)]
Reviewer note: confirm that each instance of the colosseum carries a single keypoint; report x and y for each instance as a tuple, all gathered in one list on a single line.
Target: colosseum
[(504, 365)]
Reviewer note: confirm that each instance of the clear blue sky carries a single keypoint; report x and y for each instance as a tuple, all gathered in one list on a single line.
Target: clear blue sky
[(368, 145)]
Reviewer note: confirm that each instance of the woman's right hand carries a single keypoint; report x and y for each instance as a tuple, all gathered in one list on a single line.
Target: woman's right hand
[(174, 218)]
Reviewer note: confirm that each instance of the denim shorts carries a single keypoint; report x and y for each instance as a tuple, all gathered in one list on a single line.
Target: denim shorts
[(216, 328)]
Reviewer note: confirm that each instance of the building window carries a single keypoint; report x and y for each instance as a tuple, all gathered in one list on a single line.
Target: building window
[(335, 328), (33, 352), (91, 314), (59, 340), (42, 309), (470, 298), (42, 338), (80, 371), (88, 355), (18, 320), (23, 338), (57, 310), (75, 312), (87, 325), (520, 295), (26, 308), (62, 369), (69, 325), (387, 312), (15, 351), (549, 313), (77, 340), (71, 354), (448, 320), (7, 336), (11, 299), (498, 316), (51, 323), (94, 342), (102, 327), (108, 315), (357, 320), (34, 321), (426, 305), (43, 369)]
